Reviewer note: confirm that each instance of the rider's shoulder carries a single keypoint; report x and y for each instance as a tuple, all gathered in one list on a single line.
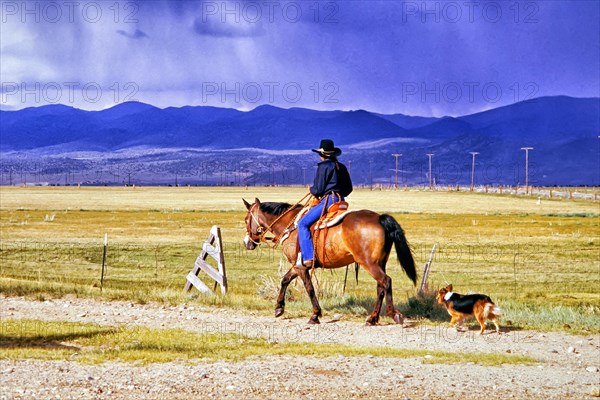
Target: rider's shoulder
[(327, 162)]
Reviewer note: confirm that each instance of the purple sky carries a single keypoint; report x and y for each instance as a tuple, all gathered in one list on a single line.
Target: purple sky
[(413, 57)]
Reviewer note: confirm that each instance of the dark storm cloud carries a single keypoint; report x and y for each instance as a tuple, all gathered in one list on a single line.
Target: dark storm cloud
[(414, 57), (218, 28)]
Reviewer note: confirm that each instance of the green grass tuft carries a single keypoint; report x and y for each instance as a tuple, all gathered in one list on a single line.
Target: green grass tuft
[(424, 306), (584, 319)]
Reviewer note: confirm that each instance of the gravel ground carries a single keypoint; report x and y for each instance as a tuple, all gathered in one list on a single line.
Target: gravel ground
[(568, 365)]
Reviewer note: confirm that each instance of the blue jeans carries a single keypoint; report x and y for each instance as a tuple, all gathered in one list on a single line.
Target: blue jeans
[(304, 236)]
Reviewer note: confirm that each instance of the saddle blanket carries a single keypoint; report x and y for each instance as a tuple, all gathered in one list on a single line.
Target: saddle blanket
[(330, 219)]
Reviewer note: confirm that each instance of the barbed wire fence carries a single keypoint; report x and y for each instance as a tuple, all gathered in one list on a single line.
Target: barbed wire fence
[(512, 268)]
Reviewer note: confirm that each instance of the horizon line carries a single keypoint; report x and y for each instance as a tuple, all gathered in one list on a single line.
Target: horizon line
[(483, 109)]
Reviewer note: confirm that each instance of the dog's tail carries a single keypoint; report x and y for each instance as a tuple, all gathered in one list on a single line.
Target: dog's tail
[(491, 310)]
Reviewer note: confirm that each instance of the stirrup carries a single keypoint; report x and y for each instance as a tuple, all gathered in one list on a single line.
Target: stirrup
[(308, 264), (303, 264)]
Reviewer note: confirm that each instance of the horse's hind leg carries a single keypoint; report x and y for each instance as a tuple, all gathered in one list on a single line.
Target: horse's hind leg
[(384, 289), (392, 312), (383, 282), (285, 281), (374, 317), (304, 274)]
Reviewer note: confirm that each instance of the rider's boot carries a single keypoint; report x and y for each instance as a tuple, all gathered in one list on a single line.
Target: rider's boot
[(303, 264)]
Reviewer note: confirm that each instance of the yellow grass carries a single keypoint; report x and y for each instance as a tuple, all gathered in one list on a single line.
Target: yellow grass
[(531, 256), (229, 199)]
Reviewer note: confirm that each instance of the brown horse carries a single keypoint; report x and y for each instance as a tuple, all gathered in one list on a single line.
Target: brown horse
[(364, 237)]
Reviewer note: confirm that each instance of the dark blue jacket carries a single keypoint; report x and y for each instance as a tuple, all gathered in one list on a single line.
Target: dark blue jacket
[(326, 179)]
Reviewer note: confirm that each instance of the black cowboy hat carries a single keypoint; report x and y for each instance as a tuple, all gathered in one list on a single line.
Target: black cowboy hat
[(327, 149)]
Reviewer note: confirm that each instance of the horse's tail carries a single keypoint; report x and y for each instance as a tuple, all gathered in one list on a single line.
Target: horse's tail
[(395, 234)]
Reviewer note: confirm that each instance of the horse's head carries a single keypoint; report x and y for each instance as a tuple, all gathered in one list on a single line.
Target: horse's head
[(267, 217), (255, 226)]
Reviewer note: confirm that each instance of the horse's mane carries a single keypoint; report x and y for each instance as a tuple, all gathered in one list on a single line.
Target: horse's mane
[(274, 208)]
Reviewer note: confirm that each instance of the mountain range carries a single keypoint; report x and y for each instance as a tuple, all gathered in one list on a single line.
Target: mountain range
[(257, 146)]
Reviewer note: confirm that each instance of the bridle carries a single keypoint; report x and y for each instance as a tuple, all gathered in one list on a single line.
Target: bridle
[(261, 230)]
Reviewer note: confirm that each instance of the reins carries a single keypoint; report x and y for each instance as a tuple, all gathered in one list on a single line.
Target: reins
[(274, 241)]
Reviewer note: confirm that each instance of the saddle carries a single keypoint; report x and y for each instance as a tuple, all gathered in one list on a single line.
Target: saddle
[(334, 215)]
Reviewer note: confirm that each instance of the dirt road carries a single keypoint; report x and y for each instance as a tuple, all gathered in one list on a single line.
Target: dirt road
[(568, 365)]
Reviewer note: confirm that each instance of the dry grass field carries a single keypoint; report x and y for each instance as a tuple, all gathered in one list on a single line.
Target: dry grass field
[(540, 260)]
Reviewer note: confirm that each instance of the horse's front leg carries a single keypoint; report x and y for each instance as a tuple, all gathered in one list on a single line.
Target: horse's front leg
[(304, 274), (285, 281)]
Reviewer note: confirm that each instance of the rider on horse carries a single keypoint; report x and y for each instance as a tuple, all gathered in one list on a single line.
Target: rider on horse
[(332, 183)]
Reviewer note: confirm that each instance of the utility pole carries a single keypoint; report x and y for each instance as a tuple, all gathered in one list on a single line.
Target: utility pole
[(371, 173), (526, 168), (473, 153), (397, 156), (304, 176), (430, 155)]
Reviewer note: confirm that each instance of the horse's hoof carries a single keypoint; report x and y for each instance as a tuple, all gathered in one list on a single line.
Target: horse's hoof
[(314, 321), (399, 319), (371, 323), (278, 312)]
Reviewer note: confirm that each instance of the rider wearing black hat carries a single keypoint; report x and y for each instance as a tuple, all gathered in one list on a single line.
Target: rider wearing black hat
[(332, 183)]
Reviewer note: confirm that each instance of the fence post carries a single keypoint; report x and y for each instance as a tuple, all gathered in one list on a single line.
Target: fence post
[(213, 247), (423, 287), (103, 261)]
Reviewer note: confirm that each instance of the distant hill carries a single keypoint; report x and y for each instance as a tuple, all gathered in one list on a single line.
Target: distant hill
[(135, 124), (409, 121), (563, 131)]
